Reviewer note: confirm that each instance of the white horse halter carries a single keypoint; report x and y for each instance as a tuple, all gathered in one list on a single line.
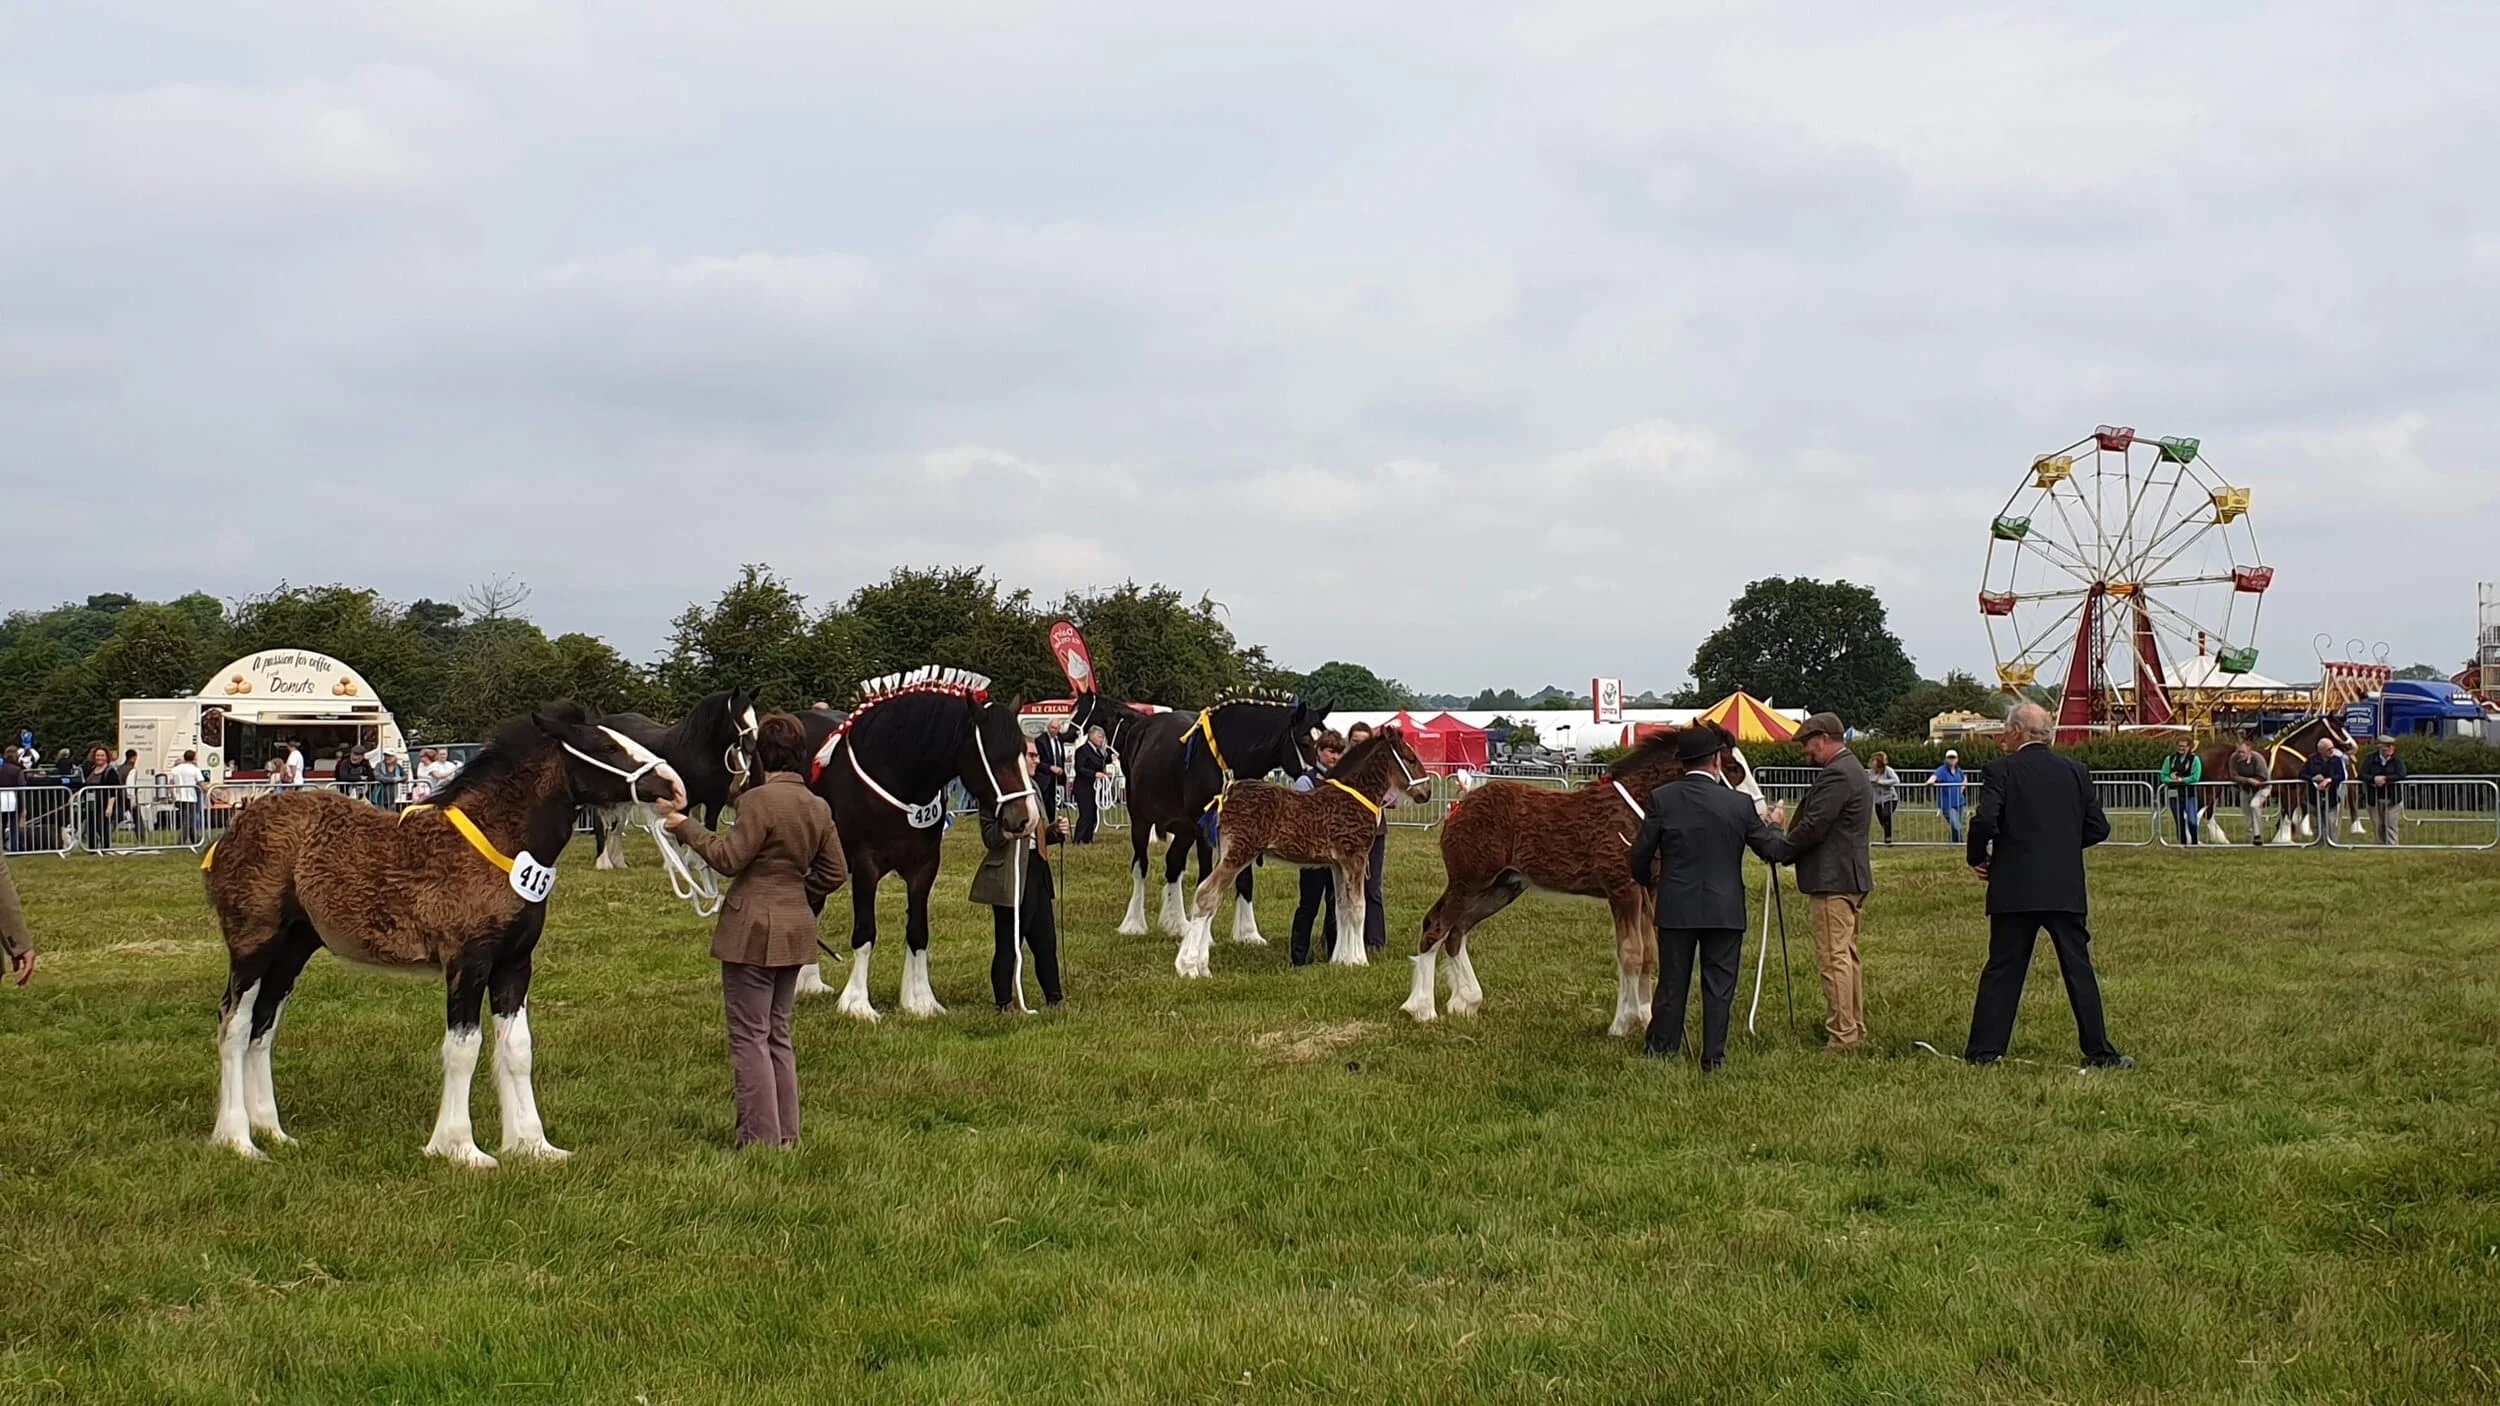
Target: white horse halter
[(699, 889)]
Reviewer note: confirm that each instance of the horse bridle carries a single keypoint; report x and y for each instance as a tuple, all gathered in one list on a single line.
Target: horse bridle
[(734, 756), (982, 745), (629, 747)]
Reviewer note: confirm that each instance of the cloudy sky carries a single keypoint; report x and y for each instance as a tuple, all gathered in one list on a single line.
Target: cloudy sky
[(1484, 345)]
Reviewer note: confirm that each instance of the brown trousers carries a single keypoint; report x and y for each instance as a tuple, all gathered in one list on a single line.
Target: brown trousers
[(762, 1068), (1836, 953)]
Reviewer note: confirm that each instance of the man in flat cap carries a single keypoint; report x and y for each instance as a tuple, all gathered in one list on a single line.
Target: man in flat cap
[(1835, 871), (1692, 850)]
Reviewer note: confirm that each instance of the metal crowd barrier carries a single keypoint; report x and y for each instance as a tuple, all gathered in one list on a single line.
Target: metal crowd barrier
[(143, 818), (2438, 812)]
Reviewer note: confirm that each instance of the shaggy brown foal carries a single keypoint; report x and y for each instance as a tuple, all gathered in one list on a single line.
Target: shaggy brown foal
[(459, 885), (1506, 837), (1332, 824)]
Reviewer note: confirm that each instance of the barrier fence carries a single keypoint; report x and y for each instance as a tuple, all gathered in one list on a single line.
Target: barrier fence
[(2446, 812)]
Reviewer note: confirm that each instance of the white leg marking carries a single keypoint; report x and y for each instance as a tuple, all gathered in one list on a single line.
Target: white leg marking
[(453, 1138), (918, 999), (612, 841), (1419, 997), (812, 981), (1134, 925), (1175, 917), (2213, 827), (1465, 993), (1349, 951), (1246, 923), (1197, 946), (260, 1090), (855, 1002), (234, 1123), (523, 1134), (1630, 1018)]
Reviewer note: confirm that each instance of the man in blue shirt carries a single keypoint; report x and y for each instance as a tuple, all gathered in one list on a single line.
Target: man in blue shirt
[(1952, 793)]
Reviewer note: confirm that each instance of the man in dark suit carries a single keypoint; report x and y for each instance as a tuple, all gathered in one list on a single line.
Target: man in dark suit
[(1692, 849), (1050, 772), (2037, 815), (1092, 760)]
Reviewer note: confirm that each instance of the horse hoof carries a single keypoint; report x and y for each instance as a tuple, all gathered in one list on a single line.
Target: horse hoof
[(859, 1010), (923, 1010), (1421, 1010), (1133, 928), (277, 1136), (1250, 940), (1462, 1007), (468, 1155), (243, 1148), (539, 1150)]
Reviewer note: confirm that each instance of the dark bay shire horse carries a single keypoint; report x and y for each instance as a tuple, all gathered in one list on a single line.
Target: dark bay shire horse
[(1332, 824), (884, 771), (1506, 837), (712, 750), (457, 885), (2291, 750), (1177, 764)]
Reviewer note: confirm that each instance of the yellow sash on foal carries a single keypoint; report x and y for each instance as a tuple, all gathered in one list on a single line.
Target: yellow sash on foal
[(1367, 802), (468, 831)]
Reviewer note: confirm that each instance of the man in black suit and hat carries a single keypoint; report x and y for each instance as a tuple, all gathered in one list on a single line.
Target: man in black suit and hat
[(1692, 848), (2037, 815)]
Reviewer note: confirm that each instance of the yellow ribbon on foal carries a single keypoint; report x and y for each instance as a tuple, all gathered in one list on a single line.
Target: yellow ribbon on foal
[(468, 831), (1367, 802)]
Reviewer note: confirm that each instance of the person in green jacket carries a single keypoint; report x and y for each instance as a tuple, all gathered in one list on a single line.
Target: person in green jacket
[(2181, 773)]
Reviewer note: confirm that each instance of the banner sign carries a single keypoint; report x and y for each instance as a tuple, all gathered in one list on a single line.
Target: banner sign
[(1606, 696), (1069, 646)]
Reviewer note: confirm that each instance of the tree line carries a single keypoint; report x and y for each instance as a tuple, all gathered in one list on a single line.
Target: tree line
[(453, 669)]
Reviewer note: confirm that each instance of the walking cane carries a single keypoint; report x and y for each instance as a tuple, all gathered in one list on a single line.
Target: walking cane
[(1761, 960), (1787, 978)]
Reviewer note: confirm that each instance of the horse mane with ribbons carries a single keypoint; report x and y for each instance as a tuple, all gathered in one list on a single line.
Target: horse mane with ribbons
[(932, 680)]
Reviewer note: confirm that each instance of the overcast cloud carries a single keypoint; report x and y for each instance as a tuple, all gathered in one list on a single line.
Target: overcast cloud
[(1481, 345)]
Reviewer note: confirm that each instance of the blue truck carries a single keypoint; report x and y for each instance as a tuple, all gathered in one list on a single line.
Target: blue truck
[(2415, 708)]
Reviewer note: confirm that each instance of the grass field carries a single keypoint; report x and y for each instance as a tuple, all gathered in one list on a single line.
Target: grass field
[(1273, 1186)]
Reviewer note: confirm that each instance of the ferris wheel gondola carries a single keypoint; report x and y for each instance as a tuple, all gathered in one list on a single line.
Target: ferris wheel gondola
[(2123, 556)]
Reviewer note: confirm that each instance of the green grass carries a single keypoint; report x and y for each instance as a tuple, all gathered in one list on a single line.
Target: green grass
[(1273, 1186)]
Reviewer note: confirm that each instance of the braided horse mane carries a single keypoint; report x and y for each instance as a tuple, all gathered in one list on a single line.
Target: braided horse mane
[(927, 679)]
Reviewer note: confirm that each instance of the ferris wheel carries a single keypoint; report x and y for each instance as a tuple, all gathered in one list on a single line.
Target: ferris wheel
[(2123, 556)]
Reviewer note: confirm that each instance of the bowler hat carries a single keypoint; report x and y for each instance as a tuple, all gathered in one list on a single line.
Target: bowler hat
[(1827, 724), (1698, 744)]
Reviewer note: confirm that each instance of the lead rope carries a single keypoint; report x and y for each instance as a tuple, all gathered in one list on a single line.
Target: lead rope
[(1017, 923)]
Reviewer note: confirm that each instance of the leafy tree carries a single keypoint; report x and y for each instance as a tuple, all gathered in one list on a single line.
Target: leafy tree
[(596, 676), (1959, 693), (1342, 686), (755, 637), (2422, 671), (955, 616), (351, 624), (1149, 644), (1508, 700), (1801, 642)]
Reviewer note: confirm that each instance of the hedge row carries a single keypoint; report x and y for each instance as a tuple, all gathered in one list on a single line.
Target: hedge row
[(2424, 756)]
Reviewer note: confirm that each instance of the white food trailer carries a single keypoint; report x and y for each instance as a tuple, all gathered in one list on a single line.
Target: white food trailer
[(254, 708)]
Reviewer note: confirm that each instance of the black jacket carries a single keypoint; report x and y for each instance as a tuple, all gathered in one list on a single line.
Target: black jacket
[(1092, 761), (1828, 834), (2393, 768), (2037, 815), (1694, 844)]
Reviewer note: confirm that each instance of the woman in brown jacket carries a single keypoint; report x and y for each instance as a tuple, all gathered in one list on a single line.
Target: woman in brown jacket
[(785, 858)]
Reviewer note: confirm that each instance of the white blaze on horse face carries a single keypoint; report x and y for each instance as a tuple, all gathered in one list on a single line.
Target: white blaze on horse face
[(234, 1127)]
